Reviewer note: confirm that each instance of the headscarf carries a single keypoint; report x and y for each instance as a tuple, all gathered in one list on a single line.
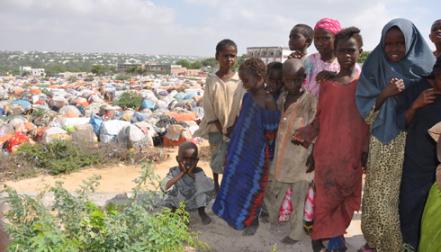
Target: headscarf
[(377, 72), (328, 24)]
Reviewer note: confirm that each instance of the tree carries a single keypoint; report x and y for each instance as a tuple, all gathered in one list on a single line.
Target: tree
[(183, 62), (98, 69), (363, 56), (240, 60), (209, 62), (122, 77), (196, 65), (129, 100)]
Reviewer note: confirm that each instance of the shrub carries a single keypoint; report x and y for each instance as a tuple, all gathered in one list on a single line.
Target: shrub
[(63, 157), (77, 224), (129, 100), (58, 156), (38, 112), (122, 77)]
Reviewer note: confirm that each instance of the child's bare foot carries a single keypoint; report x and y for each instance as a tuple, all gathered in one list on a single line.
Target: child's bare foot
[(317, 246), (252, 229), (203, 215), (289, 241), (205, 219)]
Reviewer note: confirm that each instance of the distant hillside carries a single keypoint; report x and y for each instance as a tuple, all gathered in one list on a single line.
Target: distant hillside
[(54, 62)]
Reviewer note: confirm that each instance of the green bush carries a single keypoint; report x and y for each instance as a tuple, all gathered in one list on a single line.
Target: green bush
[(58, 156), (38, 112), (122, 77), (129, 100), (75, 223)]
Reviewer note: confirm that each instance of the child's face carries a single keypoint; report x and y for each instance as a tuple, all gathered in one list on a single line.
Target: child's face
[(435, 33), (187, 159), (347, 53), (324, 41), (297, 41), (250, 81), (394, 45), (274, 81), (293, 79), (227, 57)]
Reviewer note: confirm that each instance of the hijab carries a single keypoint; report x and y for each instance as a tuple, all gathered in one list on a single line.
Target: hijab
[(377, 71)]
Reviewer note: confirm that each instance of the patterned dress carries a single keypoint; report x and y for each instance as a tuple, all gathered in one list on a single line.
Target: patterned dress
[(249, 153), (380, 221)]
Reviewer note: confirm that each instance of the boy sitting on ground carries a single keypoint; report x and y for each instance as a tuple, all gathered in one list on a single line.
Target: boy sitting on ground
[(188, 183)]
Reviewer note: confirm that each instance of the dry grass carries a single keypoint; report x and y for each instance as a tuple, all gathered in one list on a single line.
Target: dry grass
[(15, 166)]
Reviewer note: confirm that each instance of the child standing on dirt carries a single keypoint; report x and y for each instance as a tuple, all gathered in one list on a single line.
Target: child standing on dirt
[(289, 168), (400, 59), (188, 183), (340, 147), (240, 197), (221, 102), (300, 38)]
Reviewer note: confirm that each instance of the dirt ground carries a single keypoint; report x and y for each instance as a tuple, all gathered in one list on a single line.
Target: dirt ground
[(119, 178)]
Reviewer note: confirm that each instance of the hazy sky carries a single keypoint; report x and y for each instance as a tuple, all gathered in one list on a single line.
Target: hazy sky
[(188, 27)]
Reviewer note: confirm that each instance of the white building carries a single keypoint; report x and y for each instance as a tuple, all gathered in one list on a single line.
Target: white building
[(38, 72), (269, 54), (35, 72)]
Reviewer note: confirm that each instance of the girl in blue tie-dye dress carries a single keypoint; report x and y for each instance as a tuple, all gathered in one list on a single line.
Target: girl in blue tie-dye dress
[(250, 151)]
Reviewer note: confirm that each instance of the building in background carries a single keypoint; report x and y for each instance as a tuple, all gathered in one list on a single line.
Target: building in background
[(127, 67), (269, 54), (35, 72), (158, 68)]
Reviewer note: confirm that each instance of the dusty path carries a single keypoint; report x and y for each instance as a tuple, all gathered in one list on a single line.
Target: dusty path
[(115, 178), (118, 178)]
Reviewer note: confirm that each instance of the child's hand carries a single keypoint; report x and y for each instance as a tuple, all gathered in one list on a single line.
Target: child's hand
[(296, 55), (182, 167), (426, 97), (297, 140), (325, 75), (394, 87), (190, 170)]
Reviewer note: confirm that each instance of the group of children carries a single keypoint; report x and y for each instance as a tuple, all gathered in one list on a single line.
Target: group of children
[(314, 124)]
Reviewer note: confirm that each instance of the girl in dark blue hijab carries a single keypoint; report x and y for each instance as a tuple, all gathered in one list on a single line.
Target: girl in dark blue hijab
[(401, 58), (419, 108)]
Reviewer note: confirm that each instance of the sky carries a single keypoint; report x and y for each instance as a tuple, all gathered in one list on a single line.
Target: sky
[(189, 27)]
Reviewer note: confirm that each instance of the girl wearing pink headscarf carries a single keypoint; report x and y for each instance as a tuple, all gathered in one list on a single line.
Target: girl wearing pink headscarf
[(324, 60)]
